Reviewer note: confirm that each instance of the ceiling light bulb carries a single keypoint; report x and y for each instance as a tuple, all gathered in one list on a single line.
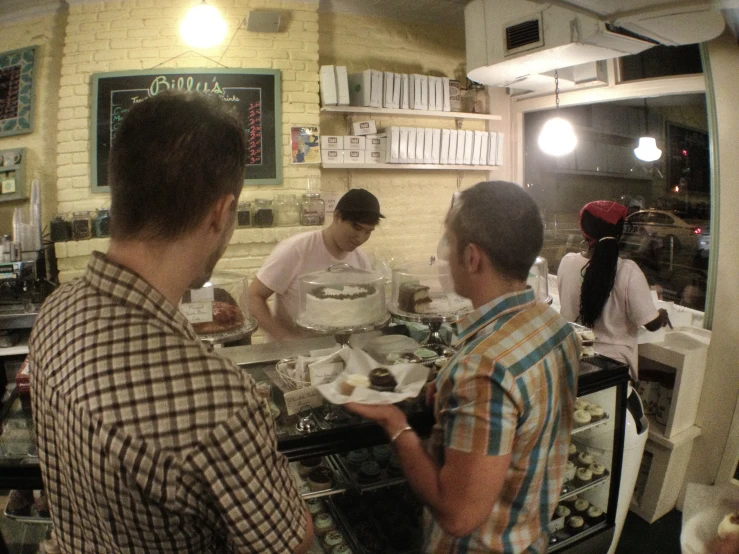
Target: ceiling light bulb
[(557, 137), (647, 150), (203, 27)]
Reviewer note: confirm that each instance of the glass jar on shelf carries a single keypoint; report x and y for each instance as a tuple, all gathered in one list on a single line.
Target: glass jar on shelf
[(243, 214), (102, 223), (481, 103), (287, 210), (313, 209), (262, 213), (81, 225)]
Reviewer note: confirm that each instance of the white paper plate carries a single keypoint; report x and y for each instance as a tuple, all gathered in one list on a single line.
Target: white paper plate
[(700, 530)]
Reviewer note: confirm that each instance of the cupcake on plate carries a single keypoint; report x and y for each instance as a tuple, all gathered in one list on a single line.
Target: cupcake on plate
[(595, 515), (598, 470), (584, 459), (580, 507), (333, 539), (572, 452), (315, 506), (581, 417), (323, 523), (369, 472), (562, 511), (341, 549), (575, 524), (583, 477), (308, 465), (581, 404), (356, 458), (382, 454), (570, 470), (596, 412), (320, 479)]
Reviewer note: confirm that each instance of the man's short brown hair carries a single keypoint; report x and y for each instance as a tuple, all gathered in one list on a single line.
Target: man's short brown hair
[(173, 156)]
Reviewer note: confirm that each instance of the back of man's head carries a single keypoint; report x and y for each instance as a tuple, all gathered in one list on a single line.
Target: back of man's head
[(173, 157), (503, 221)]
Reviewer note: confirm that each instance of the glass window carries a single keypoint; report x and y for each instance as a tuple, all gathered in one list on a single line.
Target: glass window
[(661, 61), (667, 232)]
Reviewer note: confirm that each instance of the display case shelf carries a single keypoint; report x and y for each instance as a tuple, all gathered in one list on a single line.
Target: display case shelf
[(409, 113), (591, 425), (581, 489)]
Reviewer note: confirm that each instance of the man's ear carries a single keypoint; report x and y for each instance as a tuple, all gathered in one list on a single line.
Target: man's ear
[(473, 258), (222, 212)]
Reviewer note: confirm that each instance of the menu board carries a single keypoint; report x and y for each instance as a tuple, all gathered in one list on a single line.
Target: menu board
[(254, 92)]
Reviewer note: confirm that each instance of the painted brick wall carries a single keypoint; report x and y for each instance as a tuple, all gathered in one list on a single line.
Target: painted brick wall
[(141, 34), (46, 33)]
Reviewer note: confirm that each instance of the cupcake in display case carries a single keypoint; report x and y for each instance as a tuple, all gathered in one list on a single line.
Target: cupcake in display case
[(342, 297), (425, 290), (219, 310)]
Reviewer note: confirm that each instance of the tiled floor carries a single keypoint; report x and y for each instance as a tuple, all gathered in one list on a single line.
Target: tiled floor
[(661, 537)]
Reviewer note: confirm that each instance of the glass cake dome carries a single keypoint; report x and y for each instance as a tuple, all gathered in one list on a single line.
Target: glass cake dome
[(342, 297), (219, 310), (539, 280), (426, 289)]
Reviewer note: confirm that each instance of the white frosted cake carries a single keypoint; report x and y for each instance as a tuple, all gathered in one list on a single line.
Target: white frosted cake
[(341, 306)]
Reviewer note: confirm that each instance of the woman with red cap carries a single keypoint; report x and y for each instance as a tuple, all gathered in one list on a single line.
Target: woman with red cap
[(604, 292)]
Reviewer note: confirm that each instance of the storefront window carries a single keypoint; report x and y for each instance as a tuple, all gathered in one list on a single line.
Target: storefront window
[(661, 61), (669, 202)]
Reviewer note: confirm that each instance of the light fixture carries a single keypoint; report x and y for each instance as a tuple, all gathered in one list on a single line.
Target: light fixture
[(203, 26), (557, 137), (647, 150)]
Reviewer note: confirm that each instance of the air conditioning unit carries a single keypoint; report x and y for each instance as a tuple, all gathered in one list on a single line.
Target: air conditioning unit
[(535, 38)]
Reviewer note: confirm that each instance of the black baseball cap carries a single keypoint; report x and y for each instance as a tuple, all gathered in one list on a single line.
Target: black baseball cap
[(359, 200)]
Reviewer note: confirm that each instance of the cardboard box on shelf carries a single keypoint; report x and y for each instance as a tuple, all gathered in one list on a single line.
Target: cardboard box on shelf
[(412, 140), (360, 88), (376, 91), (353, 156), (420, 144), (459, 154), (375, 157), (332, 142), (499, 149), (432, 93), (469, 144), (477, 148), (424, 81), (342, 85), (447, 104), (444, 154), (492, 147), (397, 88), (428, 146), (363, 128), (395, 144), (439, 107), (436, 146), (329, 95), (484, 139), (388, 81), (415, 96), (376, 142), (354, 143), (403, 151), (332, 156), (405, 90)]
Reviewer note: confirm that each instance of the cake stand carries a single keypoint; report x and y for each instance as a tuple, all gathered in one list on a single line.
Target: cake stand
[(434, 341), (240, 333), (342, 335)]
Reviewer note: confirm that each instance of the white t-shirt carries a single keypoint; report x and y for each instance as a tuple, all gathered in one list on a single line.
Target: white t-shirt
[(296, 256), (629, 307)]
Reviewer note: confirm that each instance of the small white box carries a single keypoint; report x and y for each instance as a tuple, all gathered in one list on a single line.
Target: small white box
[(469, 144), (500, 150), (362, 128), (404, 92), (459, 159), (332, 156), (436, 146), (492, 148), (428, 146), (354, 143), (376, 157), (403, 151), (342, 85), (329, 96), (447, 102), (477, 147), (376, 143), (397, 88), (439, 95), (412, 138), (420, 144), (415, 96), (432, 94), (331, 142), (353, 156), (453, 136), (444, 154), (360, 88), (395, 144), (484, 147), (388, 85), (424, 83), (376, 92)]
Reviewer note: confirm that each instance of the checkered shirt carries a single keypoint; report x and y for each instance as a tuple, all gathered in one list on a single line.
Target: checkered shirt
[(509, 390), (148, 440)]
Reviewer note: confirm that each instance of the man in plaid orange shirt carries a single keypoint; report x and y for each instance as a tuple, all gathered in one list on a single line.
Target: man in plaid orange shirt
[(504, 403)]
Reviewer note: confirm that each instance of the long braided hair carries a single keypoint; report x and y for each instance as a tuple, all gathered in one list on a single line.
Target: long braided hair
[(599, 274)]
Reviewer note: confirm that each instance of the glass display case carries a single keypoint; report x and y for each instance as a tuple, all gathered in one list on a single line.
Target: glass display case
[(351, 477)]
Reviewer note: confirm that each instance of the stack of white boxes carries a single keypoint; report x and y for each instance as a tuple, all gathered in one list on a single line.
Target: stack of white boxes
[(385, 89), (334, 85), (366, 146), (411, 145)]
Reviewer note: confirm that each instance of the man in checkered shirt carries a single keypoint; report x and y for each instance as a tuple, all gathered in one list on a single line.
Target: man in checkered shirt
[(149, 441), (504, 402)]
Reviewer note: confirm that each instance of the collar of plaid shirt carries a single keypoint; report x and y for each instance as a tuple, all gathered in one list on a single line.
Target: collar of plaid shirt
[(476, 320)]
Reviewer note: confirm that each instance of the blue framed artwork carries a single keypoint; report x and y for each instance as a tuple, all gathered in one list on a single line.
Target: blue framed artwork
[(256, 93), (16, 91)]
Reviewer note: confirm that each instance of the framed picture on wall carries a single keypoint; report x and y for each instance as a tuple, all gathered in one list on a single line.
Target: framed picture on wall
[(16, 91), (305, 145), (255, 94)]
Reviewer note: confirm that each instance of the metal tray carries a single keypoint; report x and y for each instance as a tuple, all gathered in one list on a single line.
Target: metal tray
[(340, 483), (577, 490), (601, 421), (351, 477), (33, 518)]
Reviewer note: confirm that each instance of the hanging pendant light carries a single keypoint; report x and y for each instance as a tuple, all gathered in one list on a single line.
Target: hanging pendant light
[(557, 137), (647, 150), (203, 26)]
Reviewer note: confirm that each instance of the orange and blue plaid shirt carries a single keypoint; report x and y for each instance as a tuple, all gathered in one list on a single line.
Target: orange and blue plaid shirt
[(509, 390)]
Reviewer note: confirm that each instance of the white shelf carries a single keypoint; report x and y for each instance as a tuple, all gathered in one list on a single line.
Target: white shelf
[(410, 113), (656, 434), (413, 166)]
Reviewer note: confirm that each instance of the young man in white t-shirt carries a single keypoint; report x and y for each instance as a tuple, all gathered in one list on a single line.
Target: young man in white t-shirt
[(356, 216)]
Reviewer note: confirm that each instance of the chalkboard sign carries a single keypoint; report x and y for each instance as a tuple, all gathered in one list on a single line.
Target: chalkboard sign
[(255, 93), (16, 91)]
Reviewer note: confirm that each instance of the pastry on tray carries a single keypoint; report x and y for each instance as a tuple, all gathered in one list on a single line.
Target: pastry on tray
[(382, 380), (320, 479)]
